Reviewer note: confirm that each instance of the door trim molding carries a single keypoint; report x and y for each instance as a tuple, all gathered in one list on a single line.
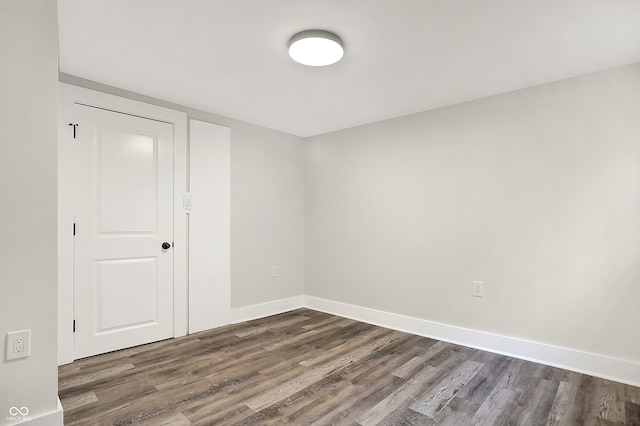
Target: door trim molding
[(68, 95)]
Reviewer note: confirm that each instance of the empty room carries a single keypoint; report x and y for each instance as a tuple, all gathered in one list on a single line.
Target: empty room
[(322, 212)]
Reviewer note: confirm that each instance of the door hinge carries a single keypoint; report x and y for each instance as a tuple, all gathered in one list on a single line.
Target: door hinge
[(74, 326), (74, 229), (75, 125)]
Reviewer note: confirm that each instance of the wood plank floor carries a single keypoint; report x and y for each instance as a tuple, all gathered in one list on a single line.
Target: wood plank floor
[(305, 367)]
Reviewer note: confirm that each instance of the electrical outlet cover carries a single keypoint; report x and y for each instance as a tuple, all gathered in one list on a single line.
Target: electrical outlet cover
[(478, 289), (18, 344)]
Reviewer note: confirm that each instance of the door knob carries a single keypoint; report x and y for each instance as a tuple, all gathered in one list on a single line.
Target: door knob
[(166, 245)]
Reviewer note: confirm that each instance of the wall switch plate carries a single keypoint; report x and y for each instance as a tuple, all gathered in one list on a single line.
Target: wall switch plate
[(186, 201), (477, 290), (274, 271), (18, 344)]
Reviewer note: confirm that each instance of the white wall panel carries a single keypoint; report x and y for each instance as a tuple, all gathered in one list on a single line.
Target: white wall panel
[(209, 226), (28, 217)]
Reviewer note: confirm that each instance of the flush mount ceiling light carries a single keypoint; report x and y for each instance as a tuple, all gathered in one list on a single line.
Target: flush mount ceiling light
[(316, 48)]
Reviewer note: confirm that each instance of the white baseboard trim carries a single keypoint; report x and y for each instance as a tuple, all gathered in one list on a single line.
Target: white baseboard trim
[(248, 313), (52, 418), (606, 367), (618, 370)]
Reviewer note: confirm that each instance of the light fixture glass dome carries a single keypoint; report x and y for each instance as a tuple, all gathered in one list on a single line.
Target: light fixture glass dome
[(316, 48)]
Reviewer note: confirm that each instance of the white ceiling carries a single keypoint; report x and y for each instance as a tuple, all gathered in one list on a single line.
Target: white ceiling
[(229, 57)]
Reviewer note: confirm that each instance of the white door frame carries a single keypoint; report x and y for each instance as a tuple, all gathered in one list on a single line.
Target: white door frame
[(68, 95)]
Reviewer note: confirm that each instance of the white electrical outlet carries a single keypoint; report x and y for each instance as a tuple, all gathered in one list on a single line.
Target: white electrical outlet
[(477, 290), (18, 344), (274, 271)]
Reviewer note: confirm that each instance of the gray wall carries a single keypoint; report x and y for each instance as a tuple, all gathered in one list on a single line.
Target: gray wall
[(267, 215), (28, 175), (535, 192), (267, 204)]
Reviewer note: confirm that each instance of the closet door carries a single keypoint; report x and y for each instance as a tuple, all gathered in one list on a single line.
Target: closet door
[(124, 231)]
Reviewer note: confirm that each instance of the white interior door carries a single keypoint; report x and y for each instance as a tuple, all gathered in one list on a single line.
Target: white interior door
[(123, 215)]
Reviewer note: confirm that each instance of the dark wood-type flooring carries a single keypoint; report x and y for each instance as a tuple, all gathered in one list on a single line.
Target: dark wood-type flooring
[(305, 367)]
